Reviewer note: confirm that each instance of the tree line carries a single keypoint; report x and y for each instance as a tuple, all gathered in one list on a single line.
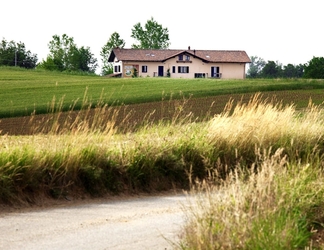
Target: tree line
[(16, 54), (65, 55), (258, 68)]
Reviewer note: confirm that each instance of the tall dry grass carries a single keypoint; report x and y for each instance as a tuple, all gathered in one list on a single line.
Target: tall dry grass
[(260, 165), (83, 153), (279, 206), (265, 189), (260, 124)]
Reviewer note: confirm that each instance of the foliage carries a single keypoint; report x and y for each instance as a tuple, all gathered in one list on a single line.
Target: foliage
[(84, 60), (152, 36), (293, 71), (260, 69), (15, 54), (114, 42), (66, 56), (168, 72), (255, 67), (135, 74), (107, 68), (315, 68), (271, 70)]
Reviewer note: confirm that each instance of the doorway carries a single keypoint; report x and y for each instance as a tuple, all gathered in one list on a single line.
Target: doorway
[(161, 71)]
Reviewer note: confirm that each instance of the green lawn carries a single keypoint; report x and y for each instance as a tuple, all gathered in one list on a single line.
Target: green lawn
[(23, 91)]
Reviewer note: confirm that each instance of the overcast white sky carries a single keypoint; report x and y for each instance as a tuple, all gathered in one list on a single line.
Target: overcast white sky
[(279, 30)]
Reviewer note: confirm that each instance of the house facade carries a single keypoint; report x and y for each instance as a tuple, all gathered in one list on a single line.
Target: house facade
[(225, 64)]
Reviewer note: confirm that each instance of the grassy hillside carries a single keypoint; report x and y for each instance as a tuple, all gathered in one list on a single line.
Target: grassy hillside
[(26, 91)]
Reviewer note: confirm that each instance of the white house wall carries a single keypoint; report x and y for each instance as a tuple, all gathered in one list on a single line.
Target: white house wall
[(227, 70), (233, 70)]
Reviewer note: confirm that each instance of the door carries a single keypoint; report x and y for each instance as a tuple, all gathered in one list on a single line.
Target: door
[(160, 71)]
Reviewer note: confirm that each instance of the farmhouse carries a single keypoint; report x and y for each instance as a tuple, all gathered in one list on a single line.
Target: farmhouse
[(226, 64)]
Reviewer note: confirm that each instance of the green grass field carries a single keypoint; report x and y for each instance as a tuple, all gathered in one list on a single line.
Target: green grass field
[(264, 158), (26, 91)]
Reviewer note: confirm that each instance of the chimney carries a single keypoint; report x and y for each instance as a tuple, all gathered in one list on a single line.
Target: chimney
[(188, 47)]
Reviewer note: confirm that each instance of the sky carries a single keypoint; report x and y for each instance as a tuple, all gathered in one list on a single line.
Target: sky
[(283, 31)]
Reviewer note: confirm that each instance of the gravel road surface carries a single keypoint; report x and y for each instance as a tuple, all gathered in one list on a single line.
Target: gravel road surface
[(132, 223)]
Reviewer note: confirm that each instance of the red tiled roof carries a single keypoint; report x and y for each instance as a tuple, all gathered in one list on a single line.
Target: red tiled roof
[(156, 55)]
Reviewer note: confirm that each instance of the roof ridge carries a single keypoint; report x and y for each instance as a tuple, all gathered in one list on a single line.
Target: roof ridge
[(222, 50), (165, 54)]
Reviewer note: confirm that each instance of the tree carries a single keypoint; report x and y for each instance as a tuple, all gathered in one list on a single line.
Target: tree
[(271, 70), (83, 59), (299, 70), (66, 56), (113, 42), (315, 68), (255, 67), (61, 50), (15, 54), (153, 36), (292, 71)]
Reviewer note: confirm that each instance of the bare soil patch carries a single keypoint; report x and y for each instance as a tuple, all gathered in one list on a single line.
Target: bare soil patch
[(128, 117), (131, 116)]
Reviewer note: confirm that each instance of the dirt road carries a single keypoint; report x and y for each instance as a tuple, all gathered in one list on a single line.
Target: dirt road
[(132, 223)]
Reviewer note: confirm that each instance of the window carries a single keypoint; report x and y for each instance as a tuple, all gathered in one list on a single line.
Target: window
[(184, 58), (215, 72), (200, 75), (144, 69), (117, 68), (183, 69), (173, 69)]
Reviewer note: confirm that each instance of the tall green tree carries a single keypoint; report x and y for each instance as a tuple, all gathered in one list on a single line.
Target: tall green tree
[(293, 71), (271, 70), (152, 36), (16, 54), (84, 60), (315, 68), (66, 56), (255, 67), (62, 49), (113, 42)]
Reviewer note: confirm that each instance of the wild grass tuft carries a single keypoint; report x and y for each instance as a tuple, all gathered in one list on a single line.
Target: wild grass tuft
[(265, 189), (260, 124), (273, 207)]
